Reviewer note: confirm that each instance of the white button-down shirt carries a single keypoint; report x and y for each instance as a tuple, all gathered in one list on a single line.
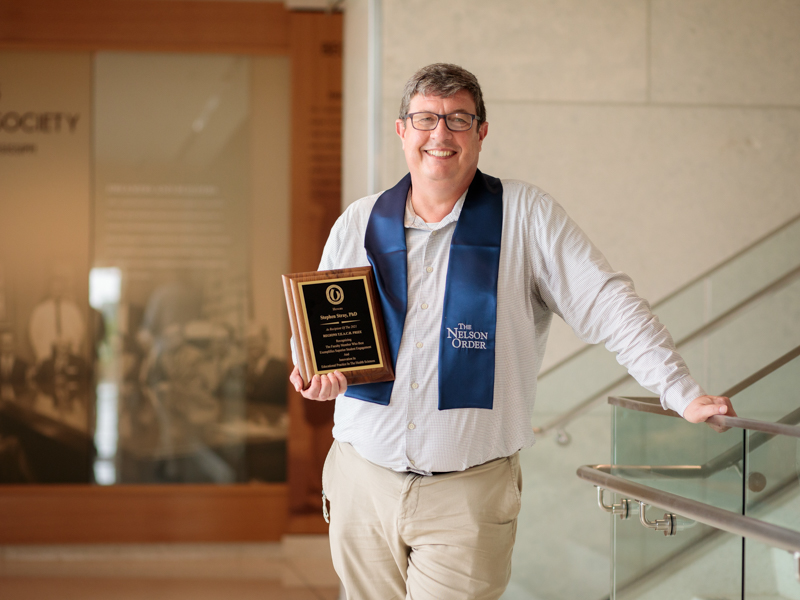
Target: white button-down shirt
[(547, 265)]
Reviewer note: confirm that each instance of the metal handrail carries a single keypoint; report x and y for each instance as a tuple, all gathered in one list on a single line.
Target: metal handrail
[(685, 286), (735, 523), (785, 426), (584, 406)]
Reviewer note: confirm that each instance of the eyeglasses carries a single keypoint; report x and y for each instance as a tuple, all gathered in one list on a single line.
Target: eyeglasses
[(428, 121)]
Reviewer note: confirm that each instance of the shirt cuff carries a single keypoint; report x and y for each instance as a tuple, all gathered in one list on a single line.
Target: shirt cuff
[(681, 393)]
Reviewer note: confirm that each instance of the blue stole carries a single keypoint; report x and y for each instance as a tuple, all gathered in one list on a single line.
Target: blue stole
[(469, 317)]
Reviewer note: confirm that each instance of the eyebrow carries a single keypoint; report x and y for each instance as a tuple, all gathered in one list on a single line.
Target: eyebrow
[(458, 110)]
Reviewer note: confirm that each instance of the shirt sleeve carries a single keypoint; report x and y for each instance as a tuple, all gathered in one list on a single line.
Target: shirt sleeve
[(576, 282), (331, 254), (332, 258)]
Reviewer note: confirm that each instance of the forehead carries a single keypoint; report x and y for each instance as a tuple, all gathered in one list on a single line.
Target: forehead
[(461, 100)]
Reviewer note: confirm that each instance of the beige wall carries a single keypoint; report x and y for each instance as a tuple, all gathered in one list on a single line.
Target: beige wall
[(669, 129)]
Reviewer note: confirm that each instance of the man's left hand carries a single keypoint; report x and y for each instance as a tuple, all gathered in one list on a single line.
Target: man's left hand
[(703, 407)]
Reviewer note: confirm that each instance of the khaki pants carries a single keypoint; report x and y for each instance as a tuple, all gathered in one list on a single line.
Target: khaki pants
[(405, 536)]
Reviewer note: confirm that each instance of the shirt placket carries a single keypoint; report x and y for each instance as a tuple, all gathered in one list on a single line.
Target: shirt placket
[(424, 348)]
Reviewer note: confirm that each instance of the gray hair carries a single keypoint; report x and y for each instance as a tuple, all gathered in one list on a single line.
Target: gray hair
[(445, 80)]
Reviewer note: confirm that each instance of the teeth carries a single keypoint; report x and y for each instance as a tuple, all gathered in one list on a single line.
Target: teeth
[(441, 153)]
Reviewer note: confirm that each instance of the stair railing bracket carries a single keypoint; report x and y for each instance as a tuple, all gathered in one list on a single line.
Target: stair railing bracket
[(563, 438), (668, 524), (622, 508)]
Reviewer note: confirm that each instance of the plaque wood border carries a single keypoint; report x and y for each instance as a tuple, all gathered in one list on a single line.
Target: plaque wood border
[(298, 323)]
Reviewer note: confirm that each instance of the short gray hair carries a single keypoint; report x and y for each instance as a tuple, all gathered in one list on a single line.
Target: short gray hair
[(445, 80)]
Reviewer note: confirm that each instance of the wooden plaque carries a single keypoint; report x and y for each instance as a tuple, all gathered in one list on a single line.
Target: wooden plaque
[(337, 324)]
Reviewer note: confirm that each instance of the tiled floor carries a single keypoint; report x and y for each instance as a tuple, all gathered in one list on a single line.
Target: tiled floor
[(84, 588), (298, 568)]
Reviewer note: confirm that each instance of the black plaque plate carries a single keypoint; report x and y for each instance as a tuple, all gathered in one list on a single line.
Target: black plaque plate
[(341, 324)]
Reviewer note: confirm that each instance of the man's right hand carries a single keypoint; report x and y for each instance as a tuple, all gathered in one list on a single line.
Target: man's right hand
[(323, 387)]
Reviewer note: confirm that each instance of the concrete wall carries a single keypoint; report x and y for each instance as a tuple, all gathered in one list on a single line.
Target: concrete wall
[(669, 129)]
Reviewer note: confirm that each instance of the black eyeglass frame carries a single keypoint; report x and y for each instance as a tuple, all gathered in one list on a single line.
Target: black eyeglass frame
[(440, 117)]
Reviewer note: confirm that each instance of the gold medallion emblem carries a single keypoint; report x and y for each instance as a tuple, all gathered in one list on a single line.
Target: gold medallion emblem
[(334, 294)]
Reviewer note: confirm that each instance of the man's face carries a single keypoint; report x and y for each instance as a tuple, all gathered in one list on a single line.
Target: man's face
[(442, 157)]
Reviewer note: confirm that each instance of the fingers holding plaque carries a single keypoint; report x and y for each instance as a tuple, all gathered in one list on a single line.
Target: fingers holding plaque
[(337, 324)]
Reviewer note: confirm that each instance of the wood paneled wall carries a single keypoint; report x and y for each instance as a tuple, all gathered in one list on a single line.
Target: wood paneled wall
[(316, 191), (313, 41), (169, 25), (141, 513)]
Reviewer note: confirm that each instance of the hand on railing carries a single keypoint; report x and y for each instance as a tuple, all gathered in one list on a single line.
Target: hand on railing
[(703, 408)]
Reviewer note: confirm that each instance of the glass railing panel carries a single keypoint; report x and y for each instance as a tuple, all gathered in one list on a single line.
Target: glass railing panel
[(755, 269), (640, 554), (561, 388), (773, 398), (709, 570), (744, 344), (767, 330), (559, 529), (773, 495), (759, 477), (551, 467), (684, 312), (773, 484)]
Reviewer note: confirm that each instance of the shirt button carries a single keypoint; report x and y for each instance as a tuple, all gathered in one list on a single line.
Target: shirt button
[(424, 305), (412, 426), (429, 269), (419, 344), (412, 462), (414, 385), (433, 233)]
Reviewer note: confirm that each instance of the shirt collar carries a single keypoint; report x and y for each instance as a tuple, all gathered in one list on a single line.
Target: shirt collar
[(414, 221)]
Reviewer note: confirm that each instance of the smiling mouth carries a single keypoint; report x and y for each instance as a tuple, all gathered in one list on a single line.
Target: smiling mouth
[(440, 153)]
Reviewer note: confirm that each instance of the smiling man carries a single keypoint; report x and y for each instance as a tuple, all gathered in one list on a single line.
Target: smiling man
[(423, 478)]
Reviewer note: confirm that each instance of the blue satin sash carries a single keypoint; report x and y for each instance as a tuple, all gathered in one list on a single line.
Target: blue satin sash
[(469, 318)]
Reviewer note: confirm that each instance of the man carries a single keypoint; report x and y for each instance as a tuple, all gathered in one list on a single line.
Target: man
[(423, 477)]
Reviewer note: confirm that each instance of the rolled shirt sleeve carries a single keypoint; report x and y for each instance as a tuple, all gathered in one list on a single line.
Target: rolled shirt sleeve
[(601, 305)]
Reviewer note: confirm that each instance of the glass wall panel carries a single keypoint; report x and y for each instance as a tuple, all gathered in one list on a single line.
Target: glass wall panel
[(144, 226), (47, 332), (187, 390)]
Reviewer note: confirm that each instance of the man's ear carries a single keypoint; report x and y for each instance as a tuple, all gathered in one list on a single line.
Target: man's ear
[(483, 130), (400, 128)]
